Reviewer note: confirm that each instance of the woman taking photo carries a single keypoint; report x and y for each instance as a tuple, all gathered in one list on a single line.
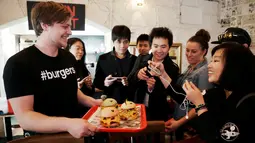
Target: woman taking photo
[(232, 68), (225, 113)]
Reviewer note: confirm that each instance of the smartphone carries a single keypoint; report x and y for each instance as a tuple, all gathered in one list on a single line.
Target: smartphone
[(80, 79), (148, 74), (118, 78)]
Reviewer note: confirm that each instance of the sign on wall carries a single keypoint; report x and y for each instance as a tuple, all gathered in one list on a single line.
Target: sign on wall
[(77, 11)]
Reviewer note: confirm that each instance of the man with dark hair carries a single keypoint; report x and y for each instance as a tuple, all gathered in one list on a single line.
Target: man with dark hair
[(114, 67), (149, 89), (40, 81), (142, 44), (234, 34)]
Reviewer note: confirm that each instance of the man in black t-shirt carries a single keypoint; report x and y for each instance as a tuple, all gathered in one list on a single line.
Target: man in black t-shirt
[(41, 82)]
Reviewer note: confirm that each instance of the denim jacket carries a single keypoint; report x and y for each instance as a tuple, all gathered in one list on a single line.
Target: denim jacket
[(199, 76)]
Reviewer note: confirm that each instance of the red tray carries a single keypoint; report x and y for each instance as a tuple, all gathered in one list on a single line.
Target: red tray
[(143, 121)]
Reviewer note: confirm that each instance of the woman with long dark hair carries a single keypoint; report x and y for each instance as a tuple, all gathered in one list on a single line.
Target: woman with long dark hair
[(77, 47)]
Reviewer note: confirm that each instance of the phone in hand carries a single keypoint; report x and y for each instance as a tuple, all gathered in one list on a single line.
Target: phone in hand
[(147, 73), (117, 78)]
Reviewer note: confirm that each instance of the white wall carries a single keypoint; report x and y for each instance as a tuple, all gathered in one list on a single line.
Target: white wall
[(108, 13), (1, 65), (154, 13), (7, 49)]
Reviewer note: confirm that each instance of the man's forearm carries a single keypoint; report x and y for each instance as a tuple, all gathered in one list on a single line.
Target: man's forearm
[(34, 121), (165, 79), (84, 99)]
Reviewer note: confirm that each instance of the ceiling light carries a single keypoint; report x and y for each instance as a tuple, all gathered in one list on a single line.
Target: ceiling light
[(139, 2)]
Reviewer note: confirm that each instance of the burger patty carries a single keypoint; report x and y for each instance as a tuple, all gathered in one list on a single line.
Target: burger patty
[(129, 114), (110, 121)]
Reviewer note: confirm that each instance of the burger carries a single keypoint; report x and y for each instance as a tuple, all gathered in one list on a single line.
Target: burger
[(109, 117), (128, 111), (109, 102)]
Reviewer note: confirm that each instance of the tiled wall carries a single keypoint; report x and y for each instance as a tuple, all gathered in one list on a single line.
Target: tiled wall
[(239, 13)]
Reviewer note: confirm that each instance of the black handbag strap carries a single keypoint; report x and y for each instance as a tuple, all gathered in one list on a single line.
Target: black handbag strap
[(244, 98)]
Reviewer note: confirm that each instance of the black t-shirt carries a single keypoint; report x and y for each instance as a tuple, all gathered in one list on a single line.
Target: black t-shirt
[(122, 68), (52, 81)]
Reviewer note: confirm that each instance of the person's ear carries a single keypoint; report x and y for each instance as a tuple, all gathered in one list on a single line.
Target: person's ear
[(44, 26), (245, 45), (204, 51)]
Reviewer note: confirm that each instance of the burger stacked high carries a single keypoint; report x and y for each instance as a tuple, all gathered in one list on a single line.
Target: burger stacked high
[(128, 111), (109, 117), (111, 114)]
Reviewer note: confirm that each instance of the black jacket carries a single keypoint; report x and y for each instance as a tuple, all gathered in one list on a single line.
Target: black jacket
[(82, 72), (158, 97), (224, 121), (109, 64)]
